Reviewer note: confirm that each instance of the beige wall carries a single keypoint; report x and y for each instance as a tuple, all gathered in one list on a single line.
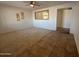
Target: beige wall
[(8, 21), (46, 24), (75, 24)]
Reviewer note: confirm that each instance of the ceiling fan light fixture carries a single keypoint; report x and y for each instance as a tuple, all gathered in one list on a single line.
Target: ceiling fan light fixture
[(32, 5)]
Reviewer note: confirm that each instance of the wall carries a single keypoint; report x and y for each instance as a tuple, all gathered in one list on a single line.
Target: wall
[(46, 24), (8, 21), (75, 24)]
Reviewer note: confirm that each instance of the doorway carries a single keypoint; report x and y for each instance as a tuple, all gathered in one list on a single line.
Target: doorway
[(63, 19)]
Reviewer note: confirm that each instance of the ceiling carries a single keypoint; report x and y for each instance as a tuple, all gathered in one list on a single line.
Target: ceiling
[(43, 4)]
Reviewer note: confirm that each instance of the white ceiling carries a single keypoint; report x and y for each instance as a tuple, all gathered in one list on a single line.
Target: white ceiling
[(43, 4)]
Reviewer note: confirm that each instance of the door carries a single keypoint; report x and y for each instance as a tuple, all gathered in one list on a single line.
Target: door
[(67, 18)]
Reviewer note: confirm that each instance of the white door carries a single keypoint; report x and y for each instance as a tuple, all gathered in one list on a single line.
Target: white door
[(67, 18)]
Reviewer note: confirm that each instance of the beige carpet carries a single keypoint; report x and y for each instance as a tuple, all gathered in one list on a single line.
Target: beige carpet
[(37, 42)]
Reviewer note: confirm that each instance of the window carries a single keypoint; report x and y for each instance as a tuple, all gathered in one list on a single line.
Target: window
[(42, 15)]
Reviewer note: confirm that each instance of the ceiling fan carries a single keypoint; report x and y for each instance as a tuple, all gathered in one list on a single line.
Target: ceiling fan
[(33, 4)]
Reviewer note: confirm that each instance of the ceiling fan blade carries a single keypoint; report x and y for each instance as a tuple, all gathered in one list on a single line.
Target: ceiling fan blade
[(37, 5), (30, 3), (27, 4), (26, 1)]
